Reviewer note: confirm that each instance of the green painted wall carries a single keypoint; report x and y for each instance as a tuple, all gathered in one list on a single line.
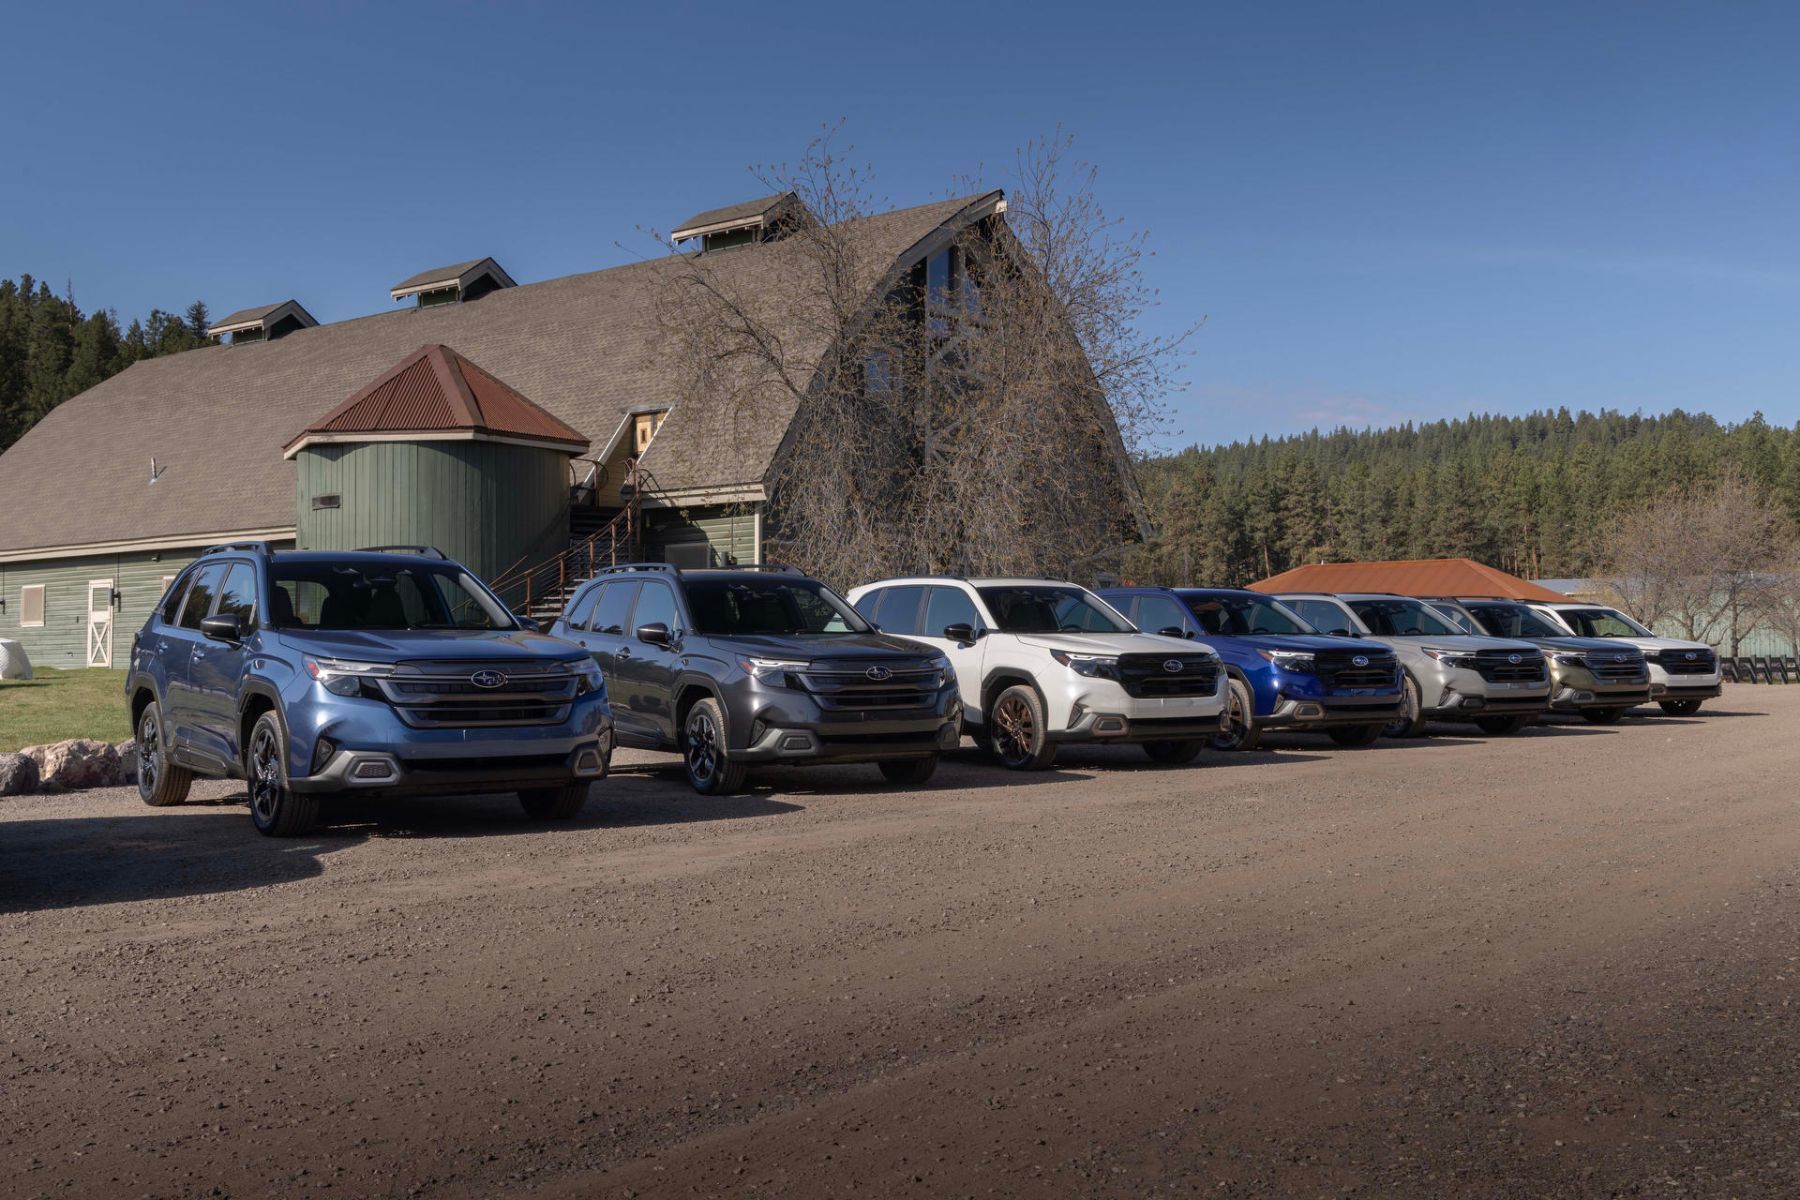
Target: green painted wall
[(485, 504), (62, 640), (728, 530)]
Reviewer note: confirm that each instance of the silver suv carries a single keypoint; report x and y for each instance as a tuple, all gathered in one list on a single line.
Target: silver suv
[(1682, 673), (1501, 685)]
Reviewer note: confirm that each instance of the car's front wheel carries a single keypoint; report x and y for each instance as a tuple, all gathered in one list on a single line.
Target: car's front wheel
[(1679, 708), (160, 782), (910, 771), (1174, 753), (555, 803), (1410, 722), (703, 751), (1241, 731), (1020, 731), (274, 809)]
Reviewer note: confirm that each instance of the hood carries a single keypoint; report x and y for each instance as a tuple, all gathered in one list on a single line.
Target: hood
[(1113, 643), (1308, 642), (440, 645), (1662, 643), (828, 645), (1581, 645), (1465, 641)]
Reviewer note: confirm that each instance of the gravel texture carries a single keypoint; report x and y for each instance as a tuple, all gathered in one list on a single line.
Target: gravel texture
[(1560, 964)]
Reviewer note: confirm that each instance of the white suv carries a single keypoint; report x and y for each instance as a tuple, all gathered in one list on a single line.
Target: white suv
[(1682, 674), (1041, 663)]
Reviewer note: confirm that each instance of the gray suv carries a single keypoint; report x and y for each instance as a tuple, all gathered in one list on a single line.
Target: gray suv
[(743, 666), (1499, 684)]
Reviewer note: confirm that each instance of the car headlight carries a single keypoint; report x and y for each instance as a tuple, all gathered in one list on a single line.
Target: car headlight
[(1566, 658), (941, 665), (1093, 666), (343, 678), (772, 671), (1292, 660), (587, 675), (1452, 658)]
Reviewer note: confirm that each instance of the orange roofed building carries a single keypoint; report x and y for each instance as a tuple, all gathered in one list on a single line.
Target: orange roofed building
[(1408, 577)]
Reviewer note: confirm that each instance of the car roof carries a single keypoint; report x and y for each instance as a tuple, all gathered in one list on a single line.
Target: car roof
[(342, 556)]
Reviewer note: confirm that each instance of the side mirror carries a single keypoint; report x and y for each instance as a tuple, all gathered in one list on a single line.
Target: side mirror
[(655, 635), (1174, 631), (529, 624), (960, 632), (223, 628)]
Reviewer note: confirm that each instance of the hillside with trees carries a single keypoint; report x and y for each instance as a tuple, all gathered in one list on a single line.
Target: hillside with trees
[(51, 350), (1539, 495)]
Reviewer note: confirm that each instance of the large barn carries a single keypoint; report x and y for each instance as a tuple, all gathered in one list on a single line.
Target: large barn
[(531, 430)]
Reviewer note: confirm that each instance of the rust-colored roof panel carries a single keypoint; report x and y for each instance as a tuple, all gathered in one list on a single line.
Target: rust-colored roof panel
[(1408, 577)]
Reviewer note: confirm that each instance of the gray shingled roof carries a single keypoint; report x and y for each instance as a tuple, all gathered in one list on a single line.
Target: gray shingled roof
[(251, 314), (453, 271), (587, 348)]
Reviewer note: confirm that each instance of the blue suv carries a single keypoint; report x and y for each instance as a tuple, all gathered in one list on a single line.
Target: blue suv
[(390, 671), (1284, 675)]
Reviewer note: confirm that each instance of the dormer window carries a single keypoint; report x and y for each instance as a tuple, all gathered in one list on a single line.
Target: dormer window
[(457, 283), (743, 224), (264, 323), (643, 427)]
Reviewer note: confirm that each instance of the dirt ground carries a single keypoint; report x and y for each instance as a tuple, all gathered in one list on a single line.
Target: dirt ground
[(1561, 964)]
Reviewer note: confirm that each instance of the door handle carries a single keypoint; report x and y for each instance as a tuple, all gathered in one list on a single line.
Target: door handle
[(624, 651)]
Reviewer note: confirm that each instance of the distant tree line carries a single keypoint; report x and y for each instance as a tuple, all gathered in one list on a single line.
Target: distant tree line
[(51, 350), (1542, 496)]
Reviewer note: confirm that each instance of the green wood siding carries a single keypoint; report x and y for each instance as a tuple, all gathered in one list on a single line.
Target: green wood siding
[(485, 504), (729, 531), (62, 640)]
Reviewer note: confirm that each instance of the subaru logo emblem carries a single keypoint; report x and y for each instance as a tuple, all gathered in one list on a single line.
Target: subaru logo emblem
[(1513, 659), (1618, 658), (1691, 656), (1171, 665), (488, 679), (879, 673), (1361, 660)]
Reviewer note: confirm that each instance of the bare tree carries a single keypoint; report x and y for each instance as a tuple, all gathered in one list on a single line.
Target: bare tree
[(1708, 562), (972, 413)]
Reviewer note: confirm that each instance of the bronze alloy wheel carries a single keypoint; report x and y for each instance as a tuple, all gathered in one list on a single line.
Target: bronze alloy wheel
[(1015, 730), (1237, 734)]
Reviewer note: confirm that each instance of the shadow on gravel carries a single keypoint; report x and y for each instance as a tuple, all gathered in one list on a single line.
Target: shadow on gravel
[(201, 849), (626, 798)]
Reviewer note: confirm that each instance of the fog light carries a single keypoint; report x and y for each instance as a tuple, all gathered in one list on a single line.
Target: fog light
[(1471, 702), (588, 762), (323, 749), (1308, 712), (372, 768), (1109, 725), (796, 741)]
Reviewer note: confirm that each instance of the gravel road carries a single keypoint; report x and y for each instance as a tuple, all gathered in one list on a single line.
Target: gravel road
[(1561, 964)]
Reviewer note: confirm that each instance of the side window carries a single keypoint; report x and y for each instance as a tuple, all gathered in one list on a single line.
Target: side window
[(200, 595), (614, 607), (577, 614), (900, 611), (1326, 618), (870, 604), (655, 606), (171, 608), (1157, 613), (238, 596), (949, 606)]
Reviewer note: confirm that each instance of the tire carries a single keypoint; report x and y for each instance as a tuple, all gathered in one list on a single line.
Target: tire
[(1241, 731), (555, 803), (1679, 708), (703, 753), (274, 810), (1504, 726), (1603, 716), (910, 771), (160, 783), (1411, 723), (1175, 753), (1019, 730), (1355, 736)]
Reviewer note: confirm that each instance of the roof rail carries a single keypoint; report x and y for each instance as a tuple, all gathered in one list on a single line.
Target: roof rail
[(628, 568), (421, 551), (261, 548), (672, 569)]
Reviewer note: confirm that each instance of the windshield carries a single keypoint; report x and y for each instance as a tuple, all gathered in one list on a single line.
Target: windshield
[(1402, 618), (353, 595), (1603, 623), (1238, 615), (1513, 621), (769, 605), (1048, 608)]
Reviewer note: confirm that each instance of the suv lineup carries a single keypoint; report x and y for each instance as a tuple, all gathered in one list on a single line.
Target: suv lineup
[(1042, 663), (312, 672), (1282, 674), (746, 665), (1500, 685), (1599, 678), (1682, 674)]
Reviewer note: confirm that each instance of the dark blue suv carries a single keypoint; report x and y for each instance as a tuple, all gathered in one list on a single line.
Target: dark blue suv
[(1283, 674), (389, 671)]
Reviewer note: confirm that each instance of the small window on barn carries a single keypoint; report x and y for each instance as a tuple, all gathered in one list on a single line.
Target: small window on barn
[(31, 606), (328, 501), (644, 427)]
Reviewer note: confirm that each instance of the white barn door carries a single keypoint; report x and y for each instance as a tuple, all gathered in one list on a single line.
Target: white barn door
[(100, 623)]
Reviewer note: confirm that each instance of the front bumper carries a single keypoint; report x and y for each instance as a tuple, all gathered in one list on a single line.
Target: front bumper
[(1303, 713), (1686, 691), (1464, 694), (1573, 698), (788, 725), (388, 773), (1082, 708)]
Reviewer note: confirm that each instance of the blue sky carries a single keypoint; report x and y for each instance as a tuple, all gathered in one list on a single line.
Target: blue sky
[(1383, 212)]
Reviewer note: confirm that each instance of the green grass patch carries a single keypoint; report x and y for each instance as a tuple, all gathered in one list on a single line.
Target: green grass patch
[(59, 705)]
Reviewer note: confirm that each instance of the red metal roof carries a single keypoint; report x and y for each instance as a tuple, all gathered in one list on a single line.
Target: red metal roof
[(1409, 577), (436, 390)]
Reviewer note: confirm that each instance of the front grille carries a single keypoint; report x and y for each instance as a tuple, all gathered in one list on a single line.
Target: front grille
[(927, 737), (444, 695), (509, 762), (1611, 665), (1511, 666), (846, 685), (1679, 662), (1150, 674), (1339, 669)]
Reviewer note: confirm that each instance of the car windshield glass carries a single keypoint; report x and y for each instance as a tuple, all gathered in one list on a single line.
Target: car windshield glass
[(1048, 608), (380, 595), (1402, 618), (1604, 623), (1239, 615), (769, 604), (1513, 621)]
